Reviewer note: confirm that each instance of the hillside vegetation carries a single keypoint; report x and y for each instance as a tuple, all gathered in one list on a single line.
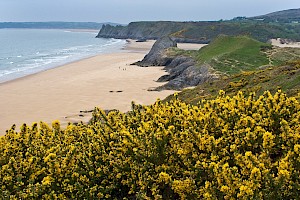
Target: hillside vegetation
[(284, 16), (262, 31), (202, 32), (224, 148), (244, 64), (231, 55)]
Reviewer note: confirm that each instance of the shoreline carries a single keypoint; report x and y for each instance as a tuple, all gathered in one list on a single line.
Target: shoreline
[(106, 80), (57, 65), (51, 68), (67, 92)]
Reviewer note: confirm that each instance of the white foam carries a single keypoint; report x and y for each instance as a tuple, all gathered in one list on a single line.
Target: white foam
[(42, 60)]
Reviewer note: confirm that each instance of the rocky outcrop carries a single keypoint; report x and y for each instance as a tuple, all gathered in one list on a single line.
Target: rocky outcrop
[(176, 67), (182, 70), (191, 76), (157, 55)]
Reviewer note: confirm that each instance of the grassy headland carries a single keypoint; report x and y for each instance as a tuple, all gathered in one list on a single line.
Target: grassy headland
[(244, 64), (229, 54)]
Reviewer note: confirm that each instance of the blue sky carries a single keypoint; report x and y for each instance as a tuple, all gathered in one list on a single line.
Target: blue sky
[(125, 11)]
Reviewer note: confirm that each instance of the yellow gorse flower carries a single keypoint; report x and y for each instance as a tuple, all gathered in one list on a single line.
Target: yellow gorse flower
[(225, 148)]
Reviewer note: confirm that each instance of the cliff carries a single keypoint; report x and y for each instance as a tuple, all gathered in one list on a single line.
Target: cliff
[(158, 55), (201, 32), (141, 30)]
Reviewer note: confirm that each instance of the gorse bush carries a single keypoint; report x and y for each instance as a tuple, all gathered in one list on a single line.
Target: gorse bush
[(225, 148)]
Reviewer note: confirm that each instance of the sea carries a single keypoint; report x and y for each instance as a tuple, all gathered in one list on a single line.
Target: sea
[(28, 51)]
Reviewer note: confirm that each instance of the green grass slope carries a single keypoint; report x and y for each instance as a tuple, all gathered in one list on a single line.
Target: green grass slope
[(231, 55)]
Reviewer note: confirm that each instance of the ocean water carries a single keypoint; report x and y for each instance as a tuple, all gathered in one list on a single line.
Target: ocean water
[(28, 51)]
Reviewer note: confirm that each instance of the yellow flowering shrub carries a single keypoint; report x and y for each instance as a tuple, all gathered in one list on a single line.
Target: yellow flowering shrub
[(226, 148)]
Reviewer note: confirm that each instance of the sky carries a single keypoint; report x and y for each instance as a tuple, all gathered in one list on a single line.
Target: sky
[(125, 11)]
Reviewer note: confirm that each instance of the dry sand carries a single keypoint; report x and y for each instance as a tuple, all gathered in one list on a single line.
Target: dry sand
[(107, 81), (276, 42)]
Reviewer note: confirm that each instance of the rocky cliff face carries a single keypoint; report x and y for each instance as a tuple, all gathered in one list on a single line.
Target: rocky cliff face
[(140, 30), (157, 55), (201, 32), (182, 70), (148, 31), (191, 76)]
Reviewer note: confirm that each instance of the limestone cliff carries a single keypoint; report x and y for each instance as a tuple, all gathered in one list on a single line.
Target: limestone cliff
[(157, 55), (182, 70), (201, 32)]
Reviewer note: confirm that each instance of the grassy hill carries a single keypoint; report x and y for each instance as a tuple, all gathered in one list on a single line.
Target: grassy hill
[(259, 30), (244, 64), (231, 55), (285, 16)]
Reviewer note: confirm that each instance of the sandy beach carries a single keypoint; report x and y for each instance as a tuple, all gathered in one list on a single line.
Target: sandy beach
[(107, 81)]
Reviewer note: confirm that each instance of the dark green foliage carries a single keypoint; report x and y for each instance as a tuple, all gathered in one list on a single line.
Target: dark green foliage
[(284, 16), (258, 30)]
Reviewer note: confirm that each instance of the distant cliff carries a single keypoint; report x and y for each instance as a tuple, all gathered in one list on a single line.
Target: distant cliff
[(201, 32), (147, 30)]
